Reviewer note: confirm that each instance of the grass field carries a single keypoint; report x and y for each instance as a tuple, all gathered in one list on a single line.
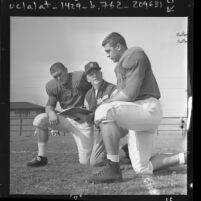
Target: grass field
[(64, 175)]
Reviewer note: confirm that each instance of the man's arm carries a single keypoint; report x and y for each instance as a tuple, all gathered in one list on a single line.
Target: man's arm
[(53, 118), (49, 109), (119, 96), (51, 104), (135, 66)]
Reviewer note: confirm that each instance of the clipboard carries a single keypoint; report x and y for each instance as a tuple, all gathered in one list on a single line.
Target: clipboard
[(72, 112)]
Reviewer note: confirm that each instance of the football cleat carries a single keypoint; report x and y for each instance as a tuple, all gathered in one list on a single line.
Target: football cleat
[(110, 173), (38, 161)]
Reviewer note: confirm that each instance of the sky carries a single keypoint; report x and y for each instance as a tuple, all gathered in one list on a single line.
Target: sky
[(38, 42)]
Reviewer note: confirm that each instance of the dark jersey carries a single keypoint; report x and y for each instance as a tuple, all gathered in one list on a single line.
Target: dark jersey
[(69, 95), (135, 77), (92, 100)]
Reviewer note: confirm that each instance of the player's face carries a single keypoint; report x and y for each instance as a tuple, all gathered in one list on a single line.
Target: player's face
[(61, 76), (94, 76), (112, 52)]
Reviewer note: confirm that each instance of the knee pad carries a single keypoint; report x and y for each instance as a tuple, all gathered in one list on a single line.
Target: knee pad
[(38, 131), (96, 160), (40, 121), (101, 113), (84, 157), (84, 161), (143, 168)]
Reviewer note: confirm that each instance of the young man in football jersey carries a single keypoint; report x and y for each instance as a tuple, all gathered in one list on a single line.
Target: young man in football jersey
[(68, 89), (135, 107)]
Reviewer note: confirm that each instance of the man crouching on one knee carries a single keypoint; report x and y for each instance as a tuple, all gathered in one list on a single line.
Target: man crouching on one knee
[(135, 107), (67, 89)]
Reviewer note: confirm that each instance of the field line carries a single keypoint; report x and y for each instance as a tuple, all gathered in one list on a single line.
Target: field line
[(149, 184)]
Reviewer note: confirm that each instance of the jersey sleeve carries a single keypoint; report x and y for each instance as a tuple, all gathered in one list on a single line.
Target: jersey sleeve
[(134, 66), (112, 90), (85, 85)]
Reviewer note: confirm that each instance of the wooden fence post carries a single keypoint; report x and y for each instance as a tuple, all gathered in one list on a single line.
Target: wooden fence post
[(20, 124)]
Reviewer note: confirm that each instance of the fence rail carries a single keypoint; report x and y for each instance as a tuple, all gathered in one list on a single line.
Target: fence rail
[(168, 124), (21, 125), (172, 124)]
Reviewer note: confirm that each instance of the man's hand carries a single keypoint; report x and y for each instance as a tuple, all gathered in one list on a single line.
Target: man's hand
[(117, 96), (106, 101), (53, 118)]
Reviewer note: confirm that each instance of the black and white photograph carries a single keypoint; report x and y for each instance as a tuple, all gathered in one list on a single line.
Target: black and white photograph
[(127, 80), (54, 165)]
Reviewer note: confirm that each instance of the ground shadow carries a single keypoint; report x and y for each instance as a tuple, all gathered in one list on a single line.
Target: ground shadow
[(172, 170)]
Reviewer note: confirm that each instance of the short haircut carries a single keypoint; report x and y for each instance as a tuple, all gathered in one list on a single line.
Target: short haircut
[(113, 39), (57, 66)]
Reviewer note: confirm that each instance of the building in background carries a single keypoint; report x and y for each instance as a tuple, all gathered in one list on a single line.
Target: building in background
[(25, 110), (22, 115)]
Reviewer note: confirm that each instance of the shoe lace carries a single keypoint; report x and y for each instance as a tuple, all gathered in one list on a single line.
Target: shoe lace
[(36, 158)]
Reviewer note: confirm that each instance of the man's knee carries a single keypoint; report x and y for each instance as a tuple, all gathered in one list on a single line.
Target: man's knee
[(101, 113), (84, 157), (123, 132), (93, 162), (143, 167), (40, 121), (98, 159), (84, 161)]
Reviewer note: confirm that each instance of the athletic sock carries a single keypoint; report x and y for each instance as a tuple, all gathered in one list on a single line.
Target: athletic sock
[(181, 158), (113, 158), (42, 148)]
